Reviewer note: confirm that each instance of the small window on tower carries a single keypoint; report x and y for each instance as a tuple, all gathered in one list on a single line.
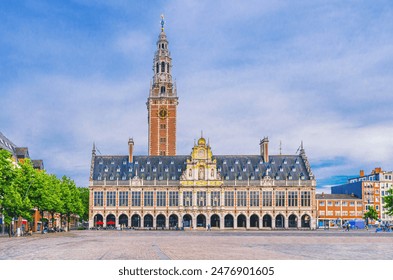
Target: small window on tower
[(162, 153), (157, 67), (163, 66), (162, 140), (163, 126), (167, 68), (162, 90)]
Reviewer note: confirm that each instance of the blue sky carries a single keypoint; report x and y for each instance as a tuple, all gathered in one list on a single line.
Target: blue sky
[(77, 72)]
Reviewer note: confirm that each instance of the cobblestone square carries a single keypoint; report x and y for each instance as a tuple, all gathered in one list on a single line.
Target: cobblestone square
[(200, 245)]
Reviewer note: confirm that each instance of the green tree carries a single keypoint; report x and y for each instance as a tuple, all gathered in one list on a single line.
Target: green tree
[(389, 202), (72, 203), (371, 214), (14, 202), (84, 194)]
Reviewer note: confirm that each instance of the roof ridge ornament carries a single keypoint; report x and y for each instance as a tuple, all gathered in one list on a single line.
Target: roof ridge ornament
[(162, 22)]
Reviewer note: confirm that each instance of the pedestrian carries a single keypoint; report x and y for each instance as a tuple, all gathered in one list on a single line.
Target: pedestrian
[(208, 227), (348, 227)]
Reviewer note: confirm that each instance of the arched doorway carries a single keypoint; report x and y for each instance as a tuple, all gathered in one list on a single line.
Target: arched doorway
[(201, 221), (148, 221), (187, 220), (98, 220), (173, 221), (241, 221), (123, 220), (228, 221), (110, 221), (306, 221), (254, 221), (136, 221), (161, 221), (292, 221), (215, 221), (279, 221), (267, 221)]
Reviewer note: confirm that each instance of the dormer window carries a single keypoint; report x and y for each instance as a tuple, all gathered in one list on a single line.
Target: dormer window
[(257, 169), (106, 169), (166, 169), (154, 169), (277, 177), (160, 178), (285, 161), (148, 162), (248, 162), (179, 170), (225, 162), (124, 162), (236, 162), (232, 169), (172, 162), (281, 169), (160, 162), (244, 169), (293, 169), (130, 169), (297, 161), (101, 161), (124, 177), (227, 177), (302, 176), (148, 178), (118, 169), (289, 177), (111, 177), (173, 177), (142, 169), (272, 161), (99, 177)]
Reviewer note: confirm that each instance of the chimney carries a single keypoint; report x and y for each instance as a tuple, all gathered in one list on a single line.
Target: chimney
[(361, 173), (264, 145), (377, 170), (130, 149)]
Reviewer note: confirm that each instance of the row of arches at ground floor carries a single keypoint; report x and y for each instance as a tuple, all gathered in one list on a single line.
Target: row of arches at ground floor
[(203, 221)]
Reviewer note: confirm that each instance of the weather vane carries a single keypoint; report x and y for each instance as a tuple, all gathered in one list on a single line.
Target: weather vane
[(162, 22)]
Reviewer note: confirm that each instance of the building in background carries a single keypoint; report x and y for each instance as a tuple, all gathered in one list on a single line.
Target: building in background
[(333, 210), (371, 189), (200, 190)]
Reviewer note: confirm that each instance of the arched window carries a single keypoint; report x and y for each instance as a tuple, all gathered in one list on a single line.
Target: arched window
[(167, 68), (157, 67), (163, 66), (162, 90), (162, 46)]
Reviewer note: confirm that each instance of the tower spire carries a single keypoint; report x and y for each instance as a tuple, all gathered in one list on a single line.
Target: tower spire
[(162, 101)]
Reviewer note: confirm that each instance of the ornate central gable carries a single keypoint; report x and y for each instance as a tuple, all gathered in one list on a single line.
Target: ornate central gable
[(201, 168)]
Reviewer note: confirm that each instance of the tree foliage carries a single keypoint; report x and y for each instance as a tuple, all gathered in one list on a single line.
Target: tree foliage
[(371, 214), (23, 188), (389, 202)]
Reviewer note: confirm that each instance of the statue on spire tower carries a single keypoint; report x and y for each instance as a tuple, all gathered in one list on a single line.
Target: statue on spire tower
[(162, 23)]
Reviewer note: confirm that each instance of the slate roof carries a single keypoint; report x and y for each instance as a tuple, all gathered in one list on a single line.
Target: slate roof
[(231, 167), (6, 144)]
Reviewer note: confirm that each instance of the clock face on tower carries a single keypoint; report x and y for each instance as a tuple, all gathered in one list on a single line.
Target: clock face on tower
[(163, 113)]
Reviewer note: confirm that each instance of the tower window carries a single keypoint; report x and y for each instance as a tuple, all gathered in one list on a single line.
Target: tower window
[(163, 126), (162, 140), (167, 68), (163, 66), (157, 67), (162, 90), (162, 46), (162, 153)]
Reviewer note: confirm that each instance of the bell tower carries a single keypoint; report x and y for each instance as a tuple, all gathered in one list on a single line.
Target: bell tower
[(162, 102)]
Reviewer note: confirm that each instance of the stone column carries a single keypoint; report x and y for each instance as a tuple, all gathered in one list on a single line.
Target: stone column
[(248, 222)]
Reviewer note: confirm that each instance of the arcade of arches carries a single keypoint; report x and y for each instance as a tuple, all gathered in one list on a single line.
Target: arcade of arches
[(200, 220)]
